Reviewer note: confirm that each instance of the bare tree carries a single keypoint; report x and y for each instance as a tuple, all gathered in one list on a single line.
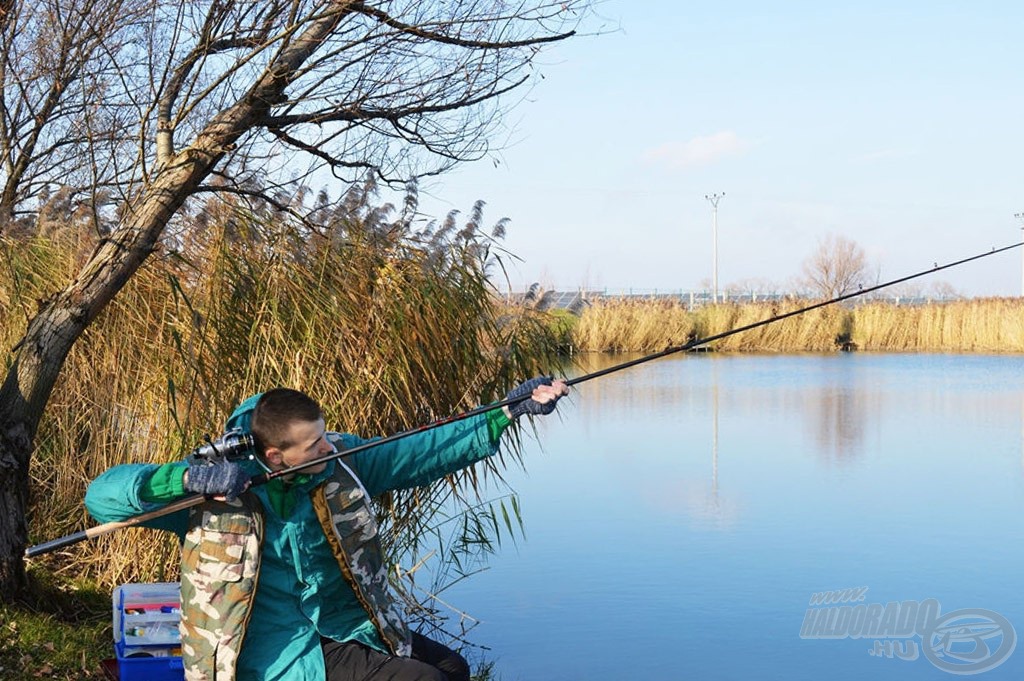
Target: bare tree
[(57, 126), (173, 99), (943, 290), (837, 267)]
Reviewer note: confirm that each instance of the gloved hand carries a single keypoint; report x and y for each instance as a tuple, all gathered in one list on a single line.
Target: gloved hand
[(225, 478), (530, 406)]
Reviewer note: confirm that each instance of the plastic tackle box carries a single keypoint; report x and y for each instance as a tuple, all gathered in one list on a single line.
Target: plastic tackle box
[(146, 637)]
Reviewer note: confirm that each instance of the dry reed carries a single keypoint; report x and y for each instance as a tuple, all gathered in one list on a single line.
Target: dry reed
[(623, 325), (815, 331), (387, 327), (990, 325), (981, 325)]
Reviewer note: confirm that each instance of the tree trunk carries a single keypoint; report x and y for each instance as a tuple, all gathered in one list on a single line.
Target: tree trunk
[(49, 339), (15, 445)]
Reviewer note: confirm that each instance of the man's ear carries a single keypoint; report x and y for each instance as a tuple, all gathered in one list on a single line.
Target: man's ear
[(273, 457)]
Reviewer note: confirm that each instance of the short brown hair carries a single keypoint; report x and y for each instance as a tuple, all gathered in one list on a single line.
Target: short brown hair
[(276, 410)]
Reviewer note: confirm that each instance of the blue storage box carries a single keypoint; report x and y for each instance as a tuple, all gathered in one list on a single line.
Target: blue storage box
[(146, 638)]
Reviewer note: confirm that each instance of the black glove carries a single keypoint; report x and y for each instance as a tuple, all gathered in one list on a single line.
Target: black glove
[(530, 406), (225, 478)]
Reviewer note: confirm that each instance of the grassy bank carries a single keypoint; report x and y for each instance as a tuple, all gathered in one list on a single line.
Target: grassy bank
[(980, 325), (61, 630)]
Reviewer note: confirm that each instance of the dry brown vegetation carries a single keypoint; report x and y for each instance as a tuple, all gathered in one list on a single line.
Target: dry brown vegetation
[(389, 327), (632, 325), (979, 325)]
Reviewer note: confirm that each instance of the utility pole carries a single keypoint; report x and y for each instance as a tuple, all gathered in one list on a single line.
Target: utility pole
[(714, 199), (1020, 217)]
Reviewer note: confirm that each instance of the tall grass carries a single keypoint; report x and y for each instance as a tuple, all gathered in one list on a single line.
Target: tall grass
[(645, 326), (982, 325), (623, 325), (389, 325), (816, 330)]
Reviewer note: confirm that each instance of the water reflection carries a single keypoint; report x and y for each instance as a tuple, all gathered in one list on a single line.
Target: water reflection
[(708, 508), (835, 407), (838, 416), (646, 389), (709, 402)]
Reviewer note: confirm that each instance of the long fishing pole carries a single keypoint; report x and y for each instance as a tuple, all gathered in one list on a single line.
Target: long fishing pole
[(188, 502)]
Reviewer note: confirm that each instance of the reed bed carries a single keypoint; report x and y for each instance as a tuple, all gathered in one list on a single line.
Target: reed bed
[(624, 325), (815, 331), (991, 325), (390, 327), (645, 326)]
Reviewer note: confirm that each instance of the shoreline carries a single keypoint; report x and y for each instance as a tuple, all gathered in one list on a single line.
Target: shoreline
[(970, 326)]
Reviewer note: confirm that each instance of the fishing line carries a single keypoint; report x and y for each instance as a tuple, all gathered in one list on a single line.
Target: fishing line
[(263, 478)]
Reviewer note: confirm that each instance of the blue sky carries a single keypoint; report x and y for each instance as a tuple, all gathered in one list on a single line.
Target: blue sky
[(896, 125)]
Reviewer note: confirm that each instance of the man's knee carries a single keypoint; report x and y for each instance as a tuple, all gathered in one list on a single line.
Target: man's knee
[(414, 670), (455, 667)]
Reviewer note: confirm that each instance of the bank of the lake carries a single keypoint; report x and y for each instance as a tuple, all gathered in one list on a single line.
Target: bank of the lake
[(982, 325), (61, 630)]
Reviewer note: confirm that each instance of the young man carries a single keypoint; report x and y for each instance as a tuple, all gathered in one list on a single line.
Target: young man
[(287, 581)]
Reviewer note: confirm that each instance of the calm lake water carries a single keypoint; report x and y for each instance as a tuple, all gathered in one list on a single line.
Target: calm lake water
[(680, 515)]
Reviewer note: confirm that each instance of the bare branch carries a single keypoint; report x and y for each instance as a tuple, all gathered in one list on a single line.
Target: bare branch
[(317, 151), (438, 37)]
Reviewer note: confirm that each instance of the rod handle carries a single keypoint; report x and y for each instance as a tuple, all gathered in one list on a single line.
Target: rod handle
[(105, 528), (55, 544)]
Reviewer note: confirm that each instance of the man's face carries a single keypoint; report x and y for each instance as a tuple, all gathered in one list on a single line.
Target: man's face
[(309, 443)]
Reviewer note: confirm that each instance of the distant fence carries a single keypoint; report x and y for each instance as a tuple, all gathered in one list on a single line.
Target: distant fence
[(580, 298)]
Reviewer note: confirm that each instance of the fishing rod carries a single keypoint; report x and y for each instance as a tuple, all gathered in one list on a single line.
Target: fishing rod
[(237, 445)]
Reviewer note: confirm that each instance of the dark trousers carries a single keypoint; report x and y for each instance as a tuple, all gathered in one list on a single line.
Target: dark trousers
[(430, 661)]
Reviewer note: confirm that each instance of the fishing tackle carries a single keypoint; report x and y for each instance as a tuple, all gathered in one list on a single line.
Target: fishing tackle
[(235, 439), (231, 446)]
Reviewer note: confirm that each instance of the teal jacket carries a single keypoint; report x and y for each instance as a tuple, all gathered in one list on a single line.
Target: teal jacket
[(301, 594)]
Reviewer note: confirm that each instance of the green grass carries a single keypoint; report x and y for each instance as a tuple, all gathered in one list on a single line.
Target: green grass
[(59, 630), (561, 324)]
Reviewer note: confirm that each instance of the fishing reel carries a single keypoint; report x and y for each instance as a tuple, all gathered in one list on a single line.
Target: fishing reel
[(233, 445)]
